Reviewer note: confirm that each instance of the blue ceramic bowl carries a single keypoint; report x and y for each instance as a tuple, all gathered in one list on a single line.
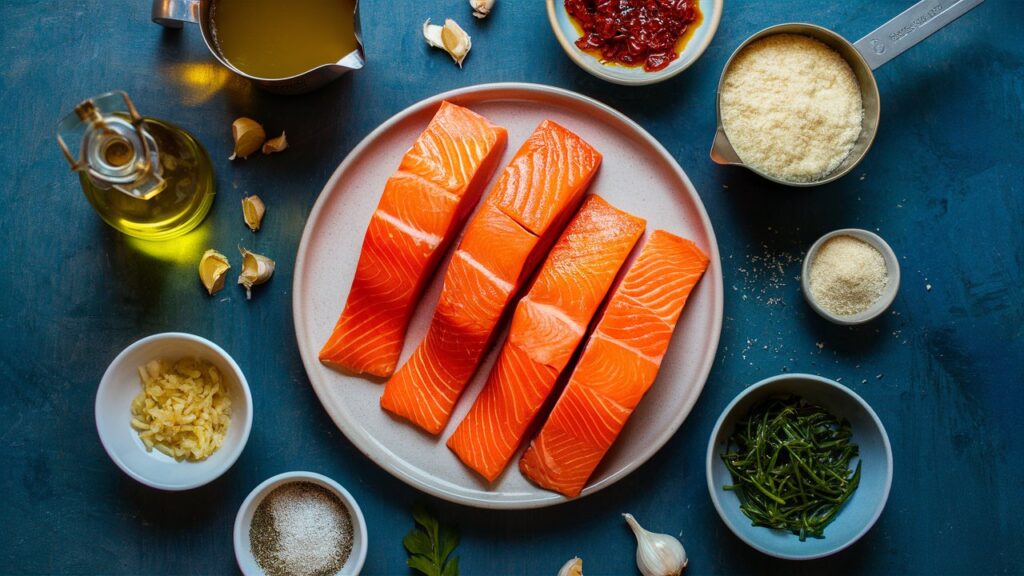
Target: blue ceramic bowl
[(862, 509)]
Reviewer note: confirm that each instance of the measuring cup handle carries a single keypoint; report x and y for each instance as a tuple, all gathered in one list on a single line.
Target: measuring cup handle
[(904, 31), (174, 13)]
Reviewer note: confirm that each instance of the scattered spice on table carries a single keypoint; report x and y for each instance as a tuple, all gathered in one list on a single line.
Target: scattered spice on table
[(847, 275), (301, 529)]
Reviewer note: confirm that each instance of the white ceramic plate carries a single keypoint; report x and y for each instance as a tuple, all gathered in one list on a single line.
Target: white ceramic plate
[(637, 175)]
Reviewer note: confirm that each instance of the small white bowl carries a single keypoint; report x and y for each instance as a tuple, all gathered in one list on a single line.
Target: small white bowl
[(892, 266), (567, 34), (121, 384), (243, 521)]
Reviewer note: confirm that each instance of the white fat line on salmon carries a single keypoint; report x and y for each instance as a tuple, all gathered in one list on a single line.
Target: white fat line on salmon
[(621, 344), (509, 288), (554, 312), (432, 240)]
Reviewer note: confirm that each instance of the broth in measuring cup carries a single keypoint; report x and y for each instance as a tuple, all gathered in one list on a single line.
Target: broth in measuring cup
[(280, 39)]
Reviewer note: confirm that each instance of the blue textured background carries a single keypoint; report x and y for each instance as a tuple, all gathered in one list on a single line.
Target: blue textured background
[(943, 184)]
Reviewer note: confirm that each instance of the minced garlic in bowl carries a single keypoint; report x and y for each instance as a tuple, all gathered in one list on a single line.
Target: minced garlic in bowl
[(183, 410)]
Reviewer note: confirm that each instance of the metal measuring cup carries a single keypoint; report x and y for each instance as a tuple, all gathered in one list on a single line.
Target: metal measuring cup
[(174, 13), (885, 43)]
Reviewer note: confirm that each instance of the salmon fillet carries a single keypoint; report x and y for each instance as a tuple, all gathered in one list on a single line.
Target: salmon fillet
[(617, 366), (547, 326), (531, 202), (424, 205)]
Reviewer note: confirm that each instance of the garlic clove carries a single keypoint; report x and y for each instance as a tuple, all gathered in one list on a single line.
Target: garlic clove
[(256, 269), (456, 41), (657, 554), (212, 268), (248, 136), (432, 34), (275, 144), (573, 567), (253, 210), (451, 38), (481, 8)]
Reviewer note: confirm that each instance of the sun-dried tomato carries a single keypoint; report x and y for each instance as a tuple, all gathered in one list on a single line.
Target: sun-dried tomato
[(633, 32)]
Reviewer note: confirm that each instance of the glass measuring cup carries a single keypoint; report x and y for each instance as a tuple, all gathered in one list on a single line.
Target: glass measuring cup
[(865, 55)]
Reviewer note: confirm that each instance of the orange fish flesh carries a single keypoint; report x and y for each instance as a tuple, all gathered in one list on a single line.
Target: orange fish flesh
[(617, 366), (531, 202), (424, 205), (547, 326)]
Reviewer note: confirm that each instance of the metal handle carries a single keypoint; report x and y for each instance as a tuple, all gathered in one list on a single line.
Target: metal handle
[(174, 13), (904, 31)]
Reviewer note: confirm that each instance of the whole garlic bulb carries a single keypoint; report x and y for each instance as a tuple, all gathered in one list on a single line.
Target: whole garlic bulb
[(657, 554)]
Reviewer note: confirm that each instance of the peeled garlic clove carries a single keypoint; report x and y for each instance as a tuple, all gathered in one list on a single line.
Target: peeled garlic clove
[(481, 8), (657, 554), (456, 41), (212, 268), (573, 567), (248, 135), (451, 38), (252, 211), (275, 144), (256, 269)]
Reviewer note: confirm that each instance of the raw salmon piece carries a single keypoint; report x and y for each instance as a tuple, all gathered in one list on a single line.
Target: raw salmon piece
[(531, 201), (547, 326), (618, 365), (424, 205)]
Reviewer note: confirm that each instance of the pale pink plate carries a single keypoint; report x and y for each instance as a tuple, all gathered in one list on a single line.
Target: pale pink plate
[(638, 175)]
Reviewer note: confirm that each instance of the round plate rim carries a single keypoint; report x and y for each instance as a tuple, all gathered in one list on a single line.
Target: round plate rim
[(526, 91)]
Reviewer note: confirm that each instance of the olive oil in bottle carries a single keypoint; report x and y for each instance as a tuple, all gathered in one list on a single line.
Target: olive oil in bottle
[(145, 177)]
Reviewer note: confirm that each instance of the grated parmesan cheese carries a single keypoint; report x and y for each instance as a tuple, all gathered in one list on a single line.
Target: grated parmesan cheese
[(791, 107), (183, 409)]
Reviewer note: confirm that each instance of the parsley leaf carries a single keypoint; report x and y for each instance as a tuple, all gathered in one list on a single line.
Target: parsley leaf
[(430, 545)]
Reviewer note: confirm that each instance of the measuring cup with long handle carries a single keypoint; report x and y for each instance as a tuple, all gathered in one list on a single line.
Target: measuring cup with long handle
[(878, 47)]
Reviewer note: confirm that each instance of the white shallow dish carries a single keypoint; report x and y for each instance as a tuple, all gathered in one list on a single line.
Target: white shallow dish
[(892, 266), (637, 175), (567, 34), (243, 521), (120, 385)]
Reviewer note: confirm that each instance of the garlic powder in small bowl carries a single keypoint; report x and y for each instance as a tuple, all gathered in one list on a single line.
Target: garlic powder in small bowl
[(850, 276)]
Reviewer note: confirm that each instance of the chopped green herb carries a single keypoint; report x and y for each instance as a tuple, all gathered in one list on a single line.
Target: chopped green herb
[(791, 466), (430, 545)]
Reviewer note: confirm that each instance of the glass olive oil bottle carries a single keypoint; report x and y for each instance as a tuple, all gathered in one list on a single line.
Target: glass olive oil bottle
[(145, 177)]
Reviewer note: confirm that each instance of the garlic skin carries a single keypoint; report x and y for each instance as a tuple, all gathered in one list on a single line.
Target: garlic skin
[(451, 38), (212, 269), (573, 567), (256, 269), (253, 210), (275, 144), (481, 8), (248, 136), (657, 554)]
